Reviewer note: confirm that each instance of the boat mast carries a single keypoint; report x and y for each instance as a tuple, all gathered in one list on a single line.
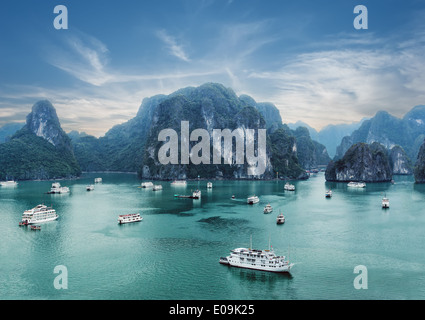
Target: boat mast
[(250, 242)]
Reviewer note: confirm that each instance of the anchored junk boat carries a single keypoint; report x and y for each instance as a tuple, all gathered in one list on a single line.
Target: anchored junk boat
[(157, 187), (289, 187), (179, 183), (385, 203), (268, 208), (195, 195), (252, 200), (280, 219), (354, 184), (57, 188), (147, 185), (10, 183)]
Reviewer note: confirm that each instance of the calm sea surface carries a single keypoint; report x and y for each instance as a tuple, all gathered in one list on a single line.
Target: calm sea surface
[(173, 253)]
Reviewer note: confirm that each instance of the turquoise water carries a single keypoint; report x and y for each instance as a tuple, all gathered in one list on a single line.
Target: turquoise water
[(173, 253)]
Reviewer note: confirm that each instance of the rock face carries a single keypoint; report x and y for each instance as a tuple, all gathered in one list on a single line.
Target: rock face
[(362, 162), (133, 145), (40, 150), (407, 132), (310, 153), (208, 107), (420, 165), (44, 122), (400, 162)]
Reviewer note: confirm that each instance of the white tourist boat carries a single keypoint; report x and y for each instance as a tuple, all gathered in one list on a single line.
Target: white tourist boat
[(252, 200), (268, 208), (385, 202), (39, 214), (57, 188), (209, 185), (179, 183), (289, 187), (157, 187), (129, 218), (98, 180), (90, 187), (196, 194), (280, 219), (9, 183), (328, 194), (264, 260), (354, 184), (147, 185)]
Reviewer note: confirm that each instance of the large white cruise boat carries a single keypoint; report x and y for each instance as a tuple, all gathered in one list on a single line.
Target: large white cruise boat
[(39, 214), (128, 218), (264, 260)]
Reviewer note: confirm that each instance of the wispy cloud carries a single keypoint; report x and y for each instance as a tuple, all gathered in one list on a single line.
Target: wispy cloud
[(339, 85), (172, 45), (82, 56)]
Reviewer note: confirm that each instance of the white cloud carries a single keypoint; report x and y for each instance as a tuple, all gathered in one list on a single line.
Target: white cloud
[(345, 85), (175, 49)]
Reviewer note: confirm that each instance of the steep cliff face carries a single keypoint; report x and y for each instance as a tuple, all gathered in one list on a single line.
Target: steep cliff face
[(400, 162), (209, 107), (40, 150), (362, 162), (419, 170), (407, 132), (310, 153), (44, 122)]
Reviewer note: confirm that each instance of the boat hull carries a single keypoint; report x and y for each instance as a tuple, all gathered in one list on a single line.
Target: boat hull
[(284, 269), (126, 222), (36, 221)]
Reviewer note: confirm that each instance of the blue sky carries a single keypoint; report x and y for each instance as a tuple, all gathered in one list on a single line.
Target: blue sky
[(305, 57)]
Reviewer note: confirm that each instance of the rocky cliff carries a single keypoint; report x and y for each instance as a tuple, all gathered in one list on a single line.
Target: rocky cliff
[(208, 107), (40, 150), (419, 170), (407, 132), (133, 145), (361, 162), (399, 161)]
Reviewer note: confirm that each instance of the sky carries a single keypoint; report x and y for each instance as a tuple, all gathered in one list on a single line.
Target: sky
[(305, 57)]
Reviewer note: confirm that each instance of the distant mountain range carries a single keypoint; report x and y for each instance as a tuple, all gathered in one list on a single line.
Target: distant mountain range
[(407, 132), (47, 152), (8, 130), (40, 149), (331, 135)]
